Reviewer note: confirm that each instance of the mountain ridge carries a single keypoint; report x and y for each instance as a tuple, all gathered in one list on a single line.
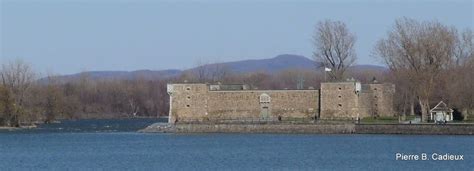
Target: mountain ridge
[(270, 65)]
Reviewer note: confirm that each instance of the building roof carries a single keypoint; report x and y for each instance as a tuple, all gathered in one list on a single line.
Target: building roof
[(214, 87), (441, 106), (340, 82)]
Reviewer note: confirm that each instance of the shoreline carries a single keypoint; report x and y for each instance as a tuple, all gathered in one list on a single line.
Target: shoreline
[(17, 128), (284, 128), (9, 128)]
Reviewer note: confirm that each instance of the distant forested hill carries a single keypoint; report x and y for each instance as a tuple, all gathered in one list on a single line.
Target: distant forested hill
[(270, 65)]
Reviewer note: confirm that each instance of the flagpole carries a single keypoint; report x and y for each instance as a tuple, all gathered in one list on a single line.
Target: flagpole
[(325, 74), (326, 69)]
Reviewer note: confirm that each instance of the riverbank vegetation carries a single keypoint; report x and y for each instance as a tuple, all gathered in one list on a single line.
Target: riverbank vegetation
[(427, 61), (26, 98)]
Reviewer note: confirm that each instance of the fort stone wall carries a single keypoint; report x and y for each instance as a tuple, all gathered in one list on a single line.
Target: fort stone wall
[(184, 101), (197, 103), (339, 100), (382, 99), (248, 105), (352, 100), (215, 103)]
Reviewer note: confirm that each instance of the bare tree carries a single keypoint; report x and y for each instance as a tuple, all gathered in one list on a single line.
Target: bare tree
[(334, 47), (53, 99), (201, 71), (459, 84), (17, 77), (218, 72), (464, 48), (421, 50), (2, 105), (6, 106)]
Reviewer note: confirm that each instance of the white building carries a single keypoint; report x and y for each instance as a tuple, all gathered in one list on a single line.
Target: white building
[(441, 113)]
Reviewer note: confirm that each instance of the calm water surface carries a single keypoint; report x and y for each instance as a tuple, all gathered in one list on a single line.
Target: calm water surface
[(113, 145)]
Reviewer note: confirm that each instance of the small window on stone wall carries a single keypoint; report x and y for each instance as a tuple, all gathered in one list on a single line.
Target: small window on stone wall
[(375, 89), (189, 97), (340, 96), (339, 105), (340, 88), (375, 97), (188, 88), (188, 106)]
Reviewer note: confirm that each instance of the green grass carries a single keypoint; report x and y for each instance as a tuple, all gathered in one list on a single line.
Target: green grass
[(410, 117), (470, 119), (379, 120)]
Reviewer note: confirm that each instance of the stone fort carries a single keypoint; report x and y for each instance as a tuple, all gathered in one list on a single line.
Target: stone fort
[(229, 103)]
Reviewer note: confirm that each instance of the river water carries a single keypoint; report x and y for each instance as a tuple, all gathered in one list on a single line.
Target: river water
[(114, 145)]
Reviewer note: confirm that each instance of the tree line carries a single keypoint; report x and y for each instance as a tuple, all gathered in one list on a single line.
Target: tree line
[(426, 60), (49, 98), (25, 99)]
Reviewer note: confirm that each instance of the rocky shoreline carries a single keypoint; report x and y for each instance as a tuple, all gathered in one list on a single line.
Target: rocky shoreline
[(342, 128), (17, 128)]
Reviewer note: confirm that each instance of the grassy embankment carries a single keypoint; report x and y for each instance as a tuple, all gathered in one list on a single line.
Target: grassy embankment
[(394, 120), (384, 120)]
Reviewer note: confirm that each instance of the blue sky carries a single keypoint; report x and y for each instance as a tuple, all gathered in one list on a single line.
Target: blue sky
[(69, 36)]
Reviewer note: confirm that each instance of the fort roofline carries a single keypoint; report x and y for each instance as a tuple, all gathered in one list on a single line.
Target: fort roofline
[(264, 90), (239, 90)]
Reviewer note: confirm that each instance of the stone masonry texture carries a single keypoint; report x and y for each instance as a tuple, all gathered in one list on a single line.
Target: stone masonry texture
[(190, 103)]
